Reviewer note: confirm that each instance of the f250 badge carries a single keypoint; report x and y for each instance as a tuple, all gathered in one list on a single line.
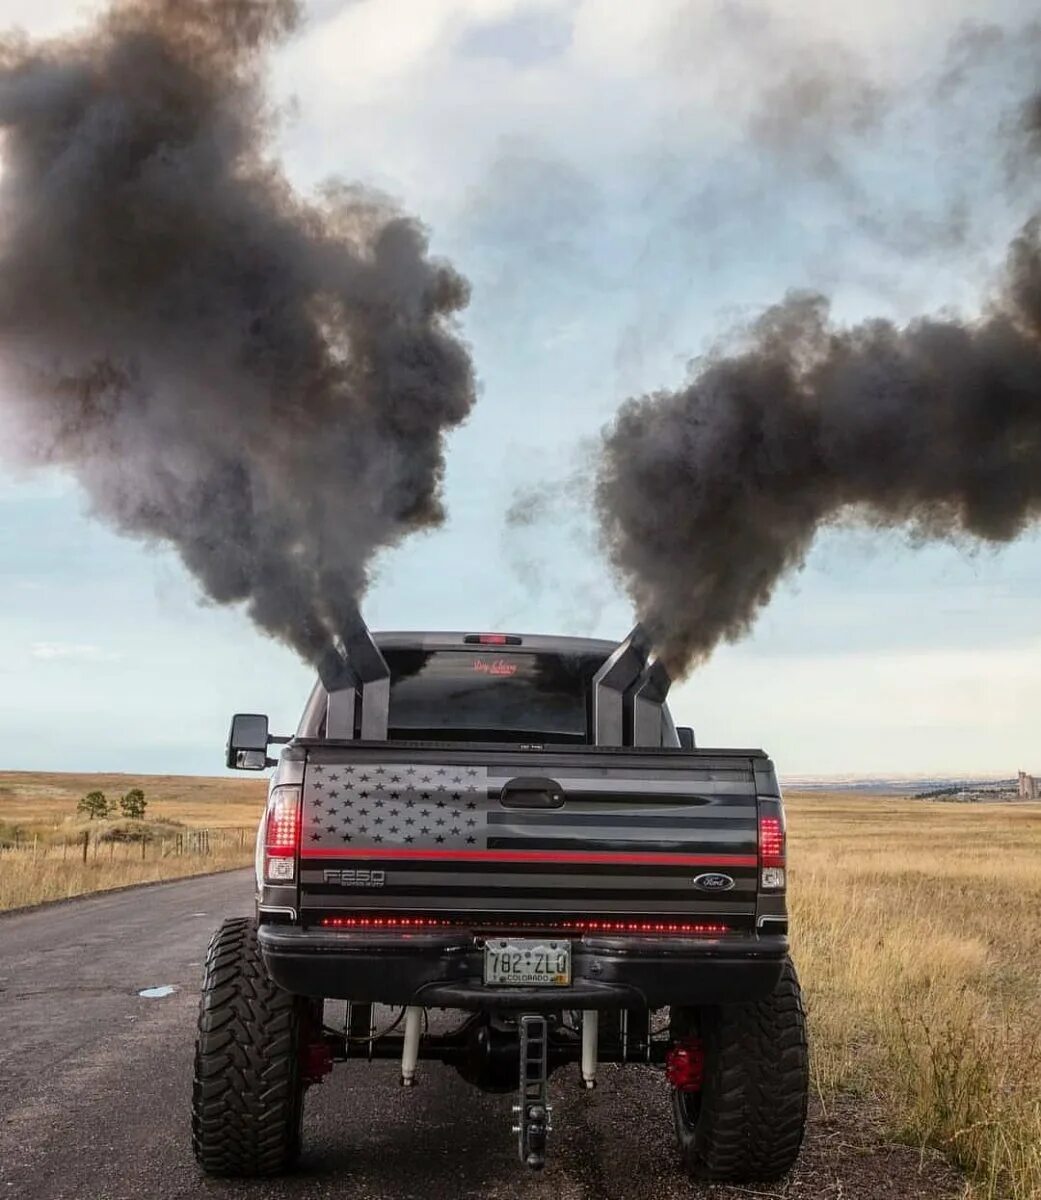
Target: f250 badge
[(713, 881), (360, 878)]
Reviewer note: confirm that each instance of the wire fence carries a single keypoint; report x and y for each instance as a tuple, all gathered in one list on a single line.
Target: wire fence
[(139, 845)]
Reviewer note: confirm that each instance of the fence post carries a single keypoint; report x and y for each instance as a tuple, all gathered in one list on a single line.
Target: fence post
[(86, 842), (144, 843)]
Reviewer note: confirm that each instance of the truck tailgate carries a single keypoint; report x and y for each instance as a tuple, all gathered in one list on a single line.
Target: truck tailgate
[(394, 830)]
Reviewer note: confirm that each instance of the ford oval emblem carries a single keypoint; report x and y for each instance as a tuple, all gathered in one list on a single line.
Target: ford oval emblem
[(713, 882)]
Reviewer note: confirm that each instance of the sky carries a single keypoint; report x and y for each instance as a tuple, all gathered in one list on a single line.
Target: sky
[(621, 184)]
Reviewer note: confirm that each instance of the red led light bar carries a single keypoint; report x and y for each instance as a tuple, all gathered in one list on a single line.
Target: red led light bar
[(697, 928), (491, 639), (771, 842), (682, 928)]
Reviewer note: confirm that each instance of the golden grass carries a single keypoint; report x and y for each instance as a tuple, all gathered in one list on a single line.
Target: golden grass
[(196, 800), (917, 932), (38, 810), (32, 874)]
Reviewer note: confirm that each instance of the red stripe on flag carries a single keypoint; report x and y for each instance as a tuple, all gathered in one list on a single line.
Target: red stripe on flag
[(542, 856)]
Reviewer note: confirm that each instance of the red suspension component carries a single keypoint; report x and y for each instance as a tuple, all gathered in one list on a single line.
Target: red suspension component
[(316, 1061), (315, 1052), (685, 1064)]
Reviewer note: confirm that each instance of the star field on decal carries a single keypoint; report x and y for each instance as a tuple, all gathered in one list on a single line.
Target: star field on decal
[(388, 805)]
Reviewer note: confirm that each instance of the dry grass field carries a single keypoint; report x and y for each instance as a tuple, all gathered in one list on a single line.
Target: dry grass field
[(41, 834), (917, 931), (195, 800)]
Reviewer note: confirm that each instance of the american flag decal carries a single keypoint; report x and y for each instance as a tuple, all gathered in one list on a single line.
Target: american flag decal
[(627, 836), (395, 806)]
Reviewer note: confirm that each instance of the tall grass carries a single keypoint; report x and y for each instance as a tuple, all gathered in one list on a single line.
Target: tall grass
[(917, 930), (41, 832), (41, 868)]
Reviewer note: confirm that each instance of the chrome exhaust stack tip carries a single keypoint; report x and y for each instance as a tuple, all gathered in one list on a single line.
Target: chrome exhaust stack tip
[(611, 683), (646, 699), (356, 679)]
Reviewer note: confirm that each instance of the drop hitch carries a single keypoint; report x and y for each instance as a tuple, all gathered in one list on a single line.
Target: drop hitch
[(533, 1113)]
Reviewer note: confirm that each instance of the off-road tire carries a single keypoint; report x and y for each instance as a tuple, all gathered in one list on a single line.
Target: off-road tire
[(247, 1098), (746, 1123)]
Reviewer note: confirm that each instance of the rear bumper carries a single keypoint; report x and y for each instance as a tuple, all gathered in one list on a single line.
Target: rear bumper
[(445, 970)]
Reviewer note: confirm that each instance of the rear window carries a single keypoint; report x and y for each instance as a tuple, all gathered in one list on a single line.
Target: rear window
[(490, 695)]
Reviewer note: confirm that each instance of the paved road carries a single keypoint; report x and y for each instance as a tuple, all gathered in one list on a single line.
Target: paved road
[(95, 1082)]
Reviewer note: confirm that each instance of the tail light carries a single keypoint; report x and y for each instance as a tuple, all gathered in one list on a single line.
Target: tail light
[(282, 835), (771, 853)]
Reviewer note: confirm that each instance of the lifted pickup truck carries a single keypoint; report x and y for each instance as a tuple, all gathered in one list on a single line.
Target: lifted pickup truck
[(510, 827)]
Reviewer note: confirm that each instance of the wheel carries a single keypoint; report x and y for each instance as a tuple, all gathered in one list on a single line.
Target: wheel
[(746, 1122), (247, 1097)]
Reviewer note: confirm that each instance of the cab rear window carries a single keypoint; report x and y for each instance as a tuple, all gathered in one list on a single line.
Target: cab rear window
[(489, 694)]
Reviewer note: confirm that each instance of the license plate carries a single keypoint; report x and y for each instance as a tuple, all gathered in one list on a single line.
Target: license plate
[(527, 962)]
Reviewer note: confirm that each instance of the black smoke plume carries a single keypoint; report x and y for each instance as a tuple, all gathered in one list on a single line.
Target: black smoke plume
[(262, 381), (708, 495)]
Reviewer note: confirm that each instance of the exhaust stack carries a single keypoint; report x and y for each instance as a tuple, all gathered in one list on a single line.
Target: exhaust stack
[(356, 678), (610, 684), (646, 699)]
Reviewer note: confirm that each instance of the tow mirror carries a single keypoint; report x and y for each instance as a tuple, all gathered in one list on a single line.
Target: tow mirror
[(247, 742), (686, 736)]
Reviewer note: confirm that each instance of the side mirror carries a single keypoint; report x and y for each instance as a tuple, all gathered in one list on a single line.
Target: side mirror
[(686, 736), (247, 742)]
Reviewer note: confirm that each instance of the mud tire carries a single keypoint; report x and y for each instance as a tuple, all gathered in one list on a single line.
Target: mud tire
[(247, 1097), (747, 1122)]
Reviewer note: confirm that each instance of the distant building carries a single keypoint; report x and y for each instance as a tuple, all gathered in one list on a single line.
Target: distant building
[(1028, 789)]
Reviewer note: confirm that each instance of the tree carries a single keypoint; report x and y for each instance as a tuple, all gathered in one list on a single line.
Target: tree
[(94, 805), (133, 804)]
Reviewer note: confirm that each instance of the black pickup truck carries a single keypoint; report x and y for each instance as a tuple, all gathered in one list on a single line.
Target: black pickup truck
[(511, 828)]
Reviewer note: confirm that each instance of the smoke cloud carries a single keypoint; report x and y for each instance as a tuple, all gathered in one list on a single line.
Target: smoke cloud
[(707, 496), (260, 380)]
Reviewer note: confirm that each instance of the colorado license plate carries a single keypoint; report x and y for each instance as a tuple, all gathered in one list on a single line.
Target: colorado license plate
[(527, 962)]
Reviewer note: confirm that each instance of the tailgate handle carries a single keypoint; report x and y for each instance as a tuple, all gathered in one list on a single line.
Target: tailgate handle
[(531, 792)]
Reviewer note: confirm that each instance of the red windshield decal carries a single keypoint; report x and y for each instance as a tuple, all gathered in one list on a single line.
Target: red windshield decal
[(498, 666)]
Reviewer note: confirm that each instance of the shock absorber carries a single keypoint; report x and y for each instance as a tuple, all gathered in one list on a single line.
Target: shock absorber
[(410, 1045), (590, 1038)]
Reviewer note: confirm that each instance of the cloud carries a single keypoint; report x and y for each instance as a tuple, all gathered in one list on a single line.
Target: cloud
[(72, 652)]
